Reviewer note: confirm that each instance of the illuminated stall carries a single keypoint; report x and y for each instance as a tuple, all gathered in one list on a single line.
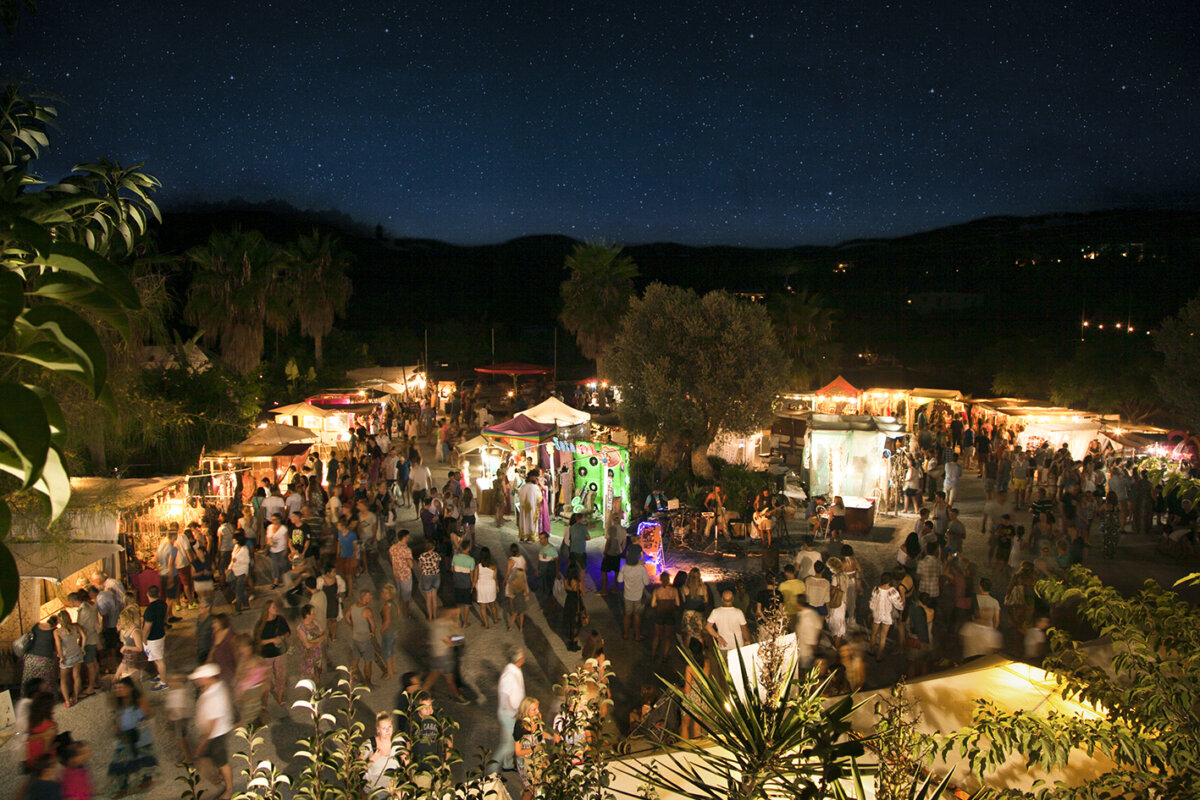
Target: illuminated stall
[(327, 424), (845, 456), (270, 452), (107, 522), (597, 481)]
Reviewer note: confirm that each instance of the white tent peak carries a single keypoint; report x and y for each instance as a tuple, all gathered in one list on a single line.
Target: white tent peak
[(553, 411)]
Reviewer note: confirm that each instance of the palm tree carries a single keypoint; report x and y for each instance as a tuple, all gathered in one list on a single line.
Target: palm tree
[(804, 326), (595, 296), (236, 290), (320, 289)]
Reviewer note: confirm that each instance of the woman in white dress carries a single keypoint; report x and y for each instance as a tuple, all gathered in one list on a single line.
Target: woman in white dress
[(486, 584), (836, 617)]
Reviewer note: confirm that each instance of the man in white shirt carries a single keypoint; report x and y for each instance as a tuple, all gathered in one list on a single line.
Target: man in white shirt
[(950, 479), (214, 721), (511, 691), (272, 504), (727, 624), (808, 634), (421, 481), (805, 559), (988, 612), (635, 579)]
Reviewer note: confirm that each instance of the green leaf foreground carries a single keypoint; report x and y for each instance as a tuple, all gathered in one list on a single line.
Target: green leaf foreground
[(57, 250)]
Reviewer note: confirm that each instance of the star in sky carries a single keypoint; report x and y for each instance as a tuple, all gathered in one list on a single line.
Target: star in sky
[(741, 122)]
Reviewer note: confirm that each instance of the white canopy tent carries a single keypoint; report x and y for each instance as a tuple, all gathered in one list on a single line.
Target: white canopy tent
[(553, 411), (1076, 435)]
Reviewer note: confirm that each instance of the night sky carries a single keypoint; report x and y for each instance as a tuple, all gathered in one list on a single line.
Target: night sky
[(766, 123)]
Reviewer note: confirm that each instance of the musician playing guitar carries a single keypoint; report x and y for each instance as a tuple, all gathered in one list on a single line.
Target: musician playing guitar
[(714, 504), (764, 510)]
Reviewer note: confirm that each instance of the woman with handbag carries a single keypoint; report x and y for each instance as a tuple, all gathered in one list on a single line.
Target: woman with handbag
[(271, 638), (41, 652)]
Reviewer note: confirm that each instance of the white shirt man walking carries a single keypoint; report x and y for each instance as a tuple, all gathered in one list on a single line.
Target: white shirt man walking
[(214, 722), (511, 691)]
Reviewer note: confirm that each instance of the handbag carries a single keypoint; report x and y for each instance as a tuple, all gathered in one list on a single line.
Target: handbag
[(21, 646)]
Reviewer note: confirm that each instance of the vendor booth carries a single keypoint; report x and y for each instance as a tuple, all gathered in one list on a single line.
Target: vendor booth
[(106, 522), (845, 456), (270, 452), (330, 426)]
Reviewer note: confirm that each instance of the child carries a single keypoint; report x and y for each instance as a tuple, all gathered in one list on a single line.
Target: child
[(42, 785), (178, 704), (76, 780)]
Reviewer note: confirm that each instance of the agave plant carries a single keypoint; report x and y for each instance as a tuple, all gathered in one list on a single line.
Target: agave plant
[(781, 737)]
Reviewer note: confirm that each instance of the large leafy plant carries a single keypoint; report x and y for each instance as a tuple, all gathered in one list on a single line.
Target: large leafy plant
[(56, 251)]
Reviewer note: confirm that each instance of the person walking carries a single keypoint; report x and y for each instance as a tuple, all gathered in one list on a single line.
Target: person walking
[(511, 691), (271, 636), (364, 636), (89, 626), (402, 568), (486, 587), (664, 600), (574, 617), (635, 579), (312, 645), (133, 761), (239, 571), (390, 628), (154, 634), (68, 645), (429, 568), (214, 722)]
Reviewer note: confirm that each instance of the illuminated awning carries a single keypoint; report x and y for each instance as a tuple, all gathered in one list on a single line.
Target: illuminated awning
[(57, 561)]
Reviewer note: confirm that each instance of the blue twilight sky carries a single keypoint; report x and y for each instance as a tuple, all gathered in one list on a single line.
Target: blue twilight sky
[(758, 123)]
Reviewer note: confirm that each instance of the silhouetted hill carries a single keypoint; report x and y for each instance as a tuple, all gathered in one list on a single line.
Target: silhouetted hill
[(970, 285)]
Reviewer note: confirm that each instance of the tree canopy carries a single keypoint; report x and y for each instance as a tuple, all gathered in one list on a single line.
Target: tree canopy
[(691, 367), (1179, 379), (595, 296)]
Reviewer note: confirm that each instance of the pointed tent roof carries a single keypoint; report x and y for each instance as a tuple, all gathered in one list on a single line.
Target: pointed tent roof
[(300, 410), (275, 433), (556, 412), (839, 386), (520, 431)]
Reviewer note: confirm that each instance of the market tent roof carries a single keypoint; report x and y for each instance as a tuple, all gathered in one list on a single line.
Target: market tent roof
[(520, 430), (261, 450), (472, 444), (299, 410), (837, 387), (513, 368), (347, 408), (275, 433), (56, 561), (556, 412), (937, 394), (120, 492)]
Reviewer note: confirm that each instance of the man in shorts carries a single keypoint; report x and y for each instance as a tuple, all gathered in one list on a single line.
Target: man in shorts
[(364, 637), (635, 578), (214, 722), (614, 544), (154, 634)]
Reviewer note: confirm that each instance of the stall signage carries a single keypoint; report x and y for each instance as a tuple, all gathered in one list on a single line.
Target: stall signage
[(611, 455)]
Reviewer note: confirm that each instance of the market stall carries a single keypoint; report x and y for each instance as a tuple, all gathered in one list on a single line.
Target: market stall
[(846, 456), (106, 522), (269, 452), (329, 425)]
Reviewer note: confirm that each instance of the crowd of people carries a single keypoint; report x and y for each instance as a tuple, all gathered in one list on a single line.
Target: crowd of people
[(335, 577)]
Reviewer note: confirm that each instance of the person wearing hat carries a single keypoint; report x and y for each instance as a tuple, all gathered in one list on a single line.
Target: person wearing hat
[(214, 721)]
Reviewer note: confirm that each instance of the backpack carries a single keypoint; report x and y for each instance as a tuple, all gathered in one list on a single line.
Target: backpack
[(836, 597)]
